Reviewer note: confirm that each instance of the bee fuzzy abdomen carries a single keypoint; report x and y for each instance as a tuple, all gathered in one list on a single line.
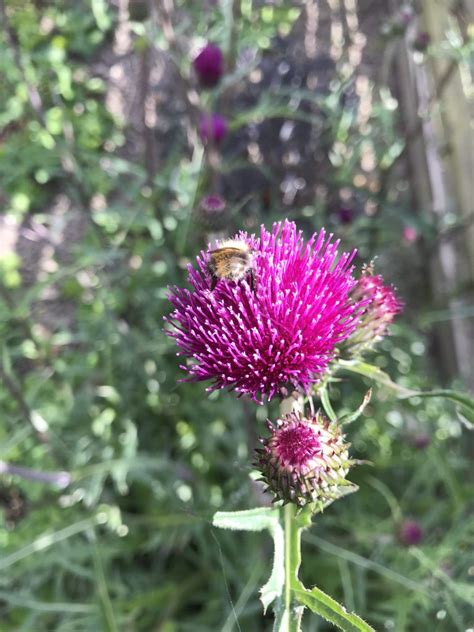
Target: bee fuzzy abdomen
[(233, 261)]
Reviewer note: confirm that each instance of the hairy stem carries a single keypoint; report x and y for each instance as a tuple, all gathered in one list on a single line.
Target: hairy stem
[(293, 612)]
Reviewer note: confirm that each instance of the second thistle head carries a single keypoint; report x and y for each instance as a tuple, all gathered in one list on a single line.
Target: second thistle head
[(305, 460)]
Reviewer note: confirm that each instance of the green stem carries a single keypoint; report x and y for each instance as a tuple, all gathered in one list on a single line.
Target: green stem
[(293, 611)]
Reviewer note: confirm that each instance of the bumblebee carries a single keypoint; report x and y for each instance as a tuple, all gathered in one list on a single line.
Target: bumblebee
[(233, 260)]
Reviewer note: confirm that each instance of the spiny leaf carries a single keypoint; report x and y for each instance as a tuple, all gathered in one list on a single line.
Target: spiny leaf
[(328, 608)]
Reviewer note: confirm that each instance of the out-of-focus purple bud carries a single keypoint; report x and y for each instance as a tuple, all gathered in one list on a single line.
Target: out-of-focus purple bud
[(209, 65), (421, 441), (211, 211), (410, 234), (212, 204), (410, 533), (345, 215), (212, 128), (421, 41)]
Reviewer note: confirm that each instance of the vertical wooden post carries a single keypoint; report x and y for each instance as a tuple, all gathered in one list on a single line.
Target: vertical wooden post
[(442, 163)]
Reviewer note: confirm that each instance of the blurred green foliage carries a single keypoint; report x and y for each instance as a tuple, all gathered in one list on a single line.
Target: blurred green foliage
[(129, 545)]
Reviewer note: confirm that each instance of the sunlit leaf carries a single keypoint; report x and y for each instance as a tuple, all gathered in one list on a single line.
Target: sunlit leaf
[(328, 608)]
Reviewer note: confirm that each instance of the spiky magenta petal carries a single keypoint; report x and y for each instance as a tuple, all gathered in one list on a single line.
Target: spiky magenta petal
[(296, 445), (280, 333)]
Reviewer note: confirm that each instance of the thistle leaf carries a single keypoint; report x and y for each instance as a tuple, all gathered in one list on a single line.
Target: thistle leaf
[(328, 608)]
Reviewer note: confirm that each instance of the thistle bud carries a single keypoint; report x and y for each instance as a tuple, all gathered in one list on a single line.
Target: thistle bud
[(410, 234), (410, 533), (213, 203), (421, 41), (382, 305), (304, 461), (211, 210), (209, 65), (212, 128)]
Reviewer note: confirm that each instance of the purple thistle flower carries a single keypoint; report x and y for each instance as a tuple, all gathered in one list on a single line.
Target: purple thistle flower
[(212, 128), (304, 460), (410, 533), (274, 328), (209, 65)]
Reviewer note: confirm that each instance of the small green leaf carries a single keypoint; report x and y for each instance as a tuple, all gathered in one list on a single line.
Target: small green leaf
[(328, 608)]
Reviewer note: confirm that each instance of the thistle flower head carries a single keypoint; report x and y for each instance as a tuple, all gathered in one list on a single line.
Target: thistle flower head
[(381, 307), (212, 128), (209, 65), (305, 460), (274, 328)]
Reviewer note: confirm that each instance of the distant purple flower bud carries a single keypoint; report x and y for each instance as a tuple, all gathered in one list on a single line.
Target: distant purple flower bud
[(345, 215), (212, 128), (410, 533), (304, 460), (405, 15), (209, 65), (421, 441), (211, 211), (421, 41), (410, 234), (381, 307), (268, 314), (212, 204)]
